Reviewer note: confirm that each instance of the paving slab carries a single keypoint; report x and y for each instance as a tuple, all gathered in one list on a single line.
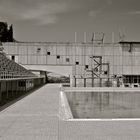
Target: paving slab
[(36, 117), (33, 117)]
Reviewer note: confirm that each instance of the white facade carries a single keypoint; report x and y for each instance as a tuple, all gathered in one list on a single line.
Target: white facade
[(116, 60)]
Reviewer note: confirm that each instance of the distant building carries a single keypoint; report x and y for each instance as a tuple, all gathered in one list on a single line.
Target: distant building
[(88, 64)]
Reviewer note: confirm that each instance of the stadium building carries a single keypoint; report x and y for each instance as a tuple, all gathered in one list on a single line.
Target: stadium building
[(94, 64)]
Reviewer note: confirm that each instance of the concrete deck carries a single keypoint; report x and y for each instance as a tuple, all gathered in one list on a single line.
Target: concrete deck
[(36, 117)]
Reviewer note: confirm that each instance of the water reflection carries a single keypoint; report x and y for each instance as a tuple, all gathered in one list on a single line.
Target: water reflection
[(104, 105)]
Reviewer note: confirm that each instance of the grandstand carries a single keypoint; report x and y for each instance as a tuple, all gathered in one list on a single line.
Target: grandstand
[(10, 69), (15, 80)]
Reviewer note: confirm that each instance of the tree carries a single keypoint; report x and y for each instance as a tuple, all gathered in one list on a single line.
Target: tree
[(6, 35)]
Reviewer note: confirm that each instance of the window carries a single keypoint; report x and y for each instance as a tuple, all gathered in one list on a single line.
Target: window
[(86, 66), (67, 60), (58, 56), (48, 53), (13, 57), (77, 63), (38, 50), (105, 72)]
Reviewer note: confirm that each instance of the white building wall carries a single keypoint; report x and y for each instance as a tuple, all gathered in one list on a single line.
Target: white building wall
[(121, 60)]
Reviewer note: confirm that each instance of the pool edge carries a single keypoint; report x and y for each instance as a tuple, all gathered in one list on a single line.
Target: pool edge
[(64, 107)]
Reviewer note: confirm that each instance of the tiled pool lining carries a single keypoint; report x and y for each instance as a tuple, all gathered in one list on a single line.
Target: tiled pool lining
[(67, 110), (100, 89)]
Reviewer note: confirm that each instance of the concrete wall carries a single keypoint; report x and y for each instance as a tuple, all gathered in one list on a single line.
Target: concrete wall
[(121, 60)]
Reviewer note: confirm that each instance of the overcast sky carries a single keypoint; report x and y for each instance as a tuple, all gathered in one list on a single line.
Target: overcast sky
[(58, 20)]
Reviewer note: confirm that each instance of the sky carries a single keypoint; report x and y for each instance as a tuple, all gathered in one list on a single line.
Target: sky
[(58, 20)]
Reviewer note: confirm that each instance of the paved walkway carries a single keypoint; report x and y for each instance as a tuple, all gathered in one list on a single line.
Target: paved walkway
[(35, 117)]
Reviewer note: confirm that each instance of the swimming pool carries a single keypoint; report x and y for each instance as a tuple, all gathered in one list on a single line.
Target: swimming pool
[(104, 105)]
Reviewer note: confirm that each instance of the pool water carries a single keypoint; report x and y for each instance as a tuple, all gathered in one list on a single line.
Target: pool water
[(104, 104)]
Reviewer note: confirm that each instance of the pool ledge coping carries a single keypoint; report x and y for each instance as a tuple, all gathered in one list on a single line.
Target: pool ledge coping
[(100, 89), (67, 110)]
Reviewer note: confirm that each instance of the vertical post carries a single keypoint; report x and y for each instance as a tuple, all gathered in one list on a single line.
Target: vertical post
[(25, 85), (74, 81), (12, 88), (16, 87), (19, 87), (84, 82), (75, 37), (108, 73), (85, 37), (92, 39), (113, 38), (6, 89), (100, 70), (27, 55), (92, 78), (71, 81)]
